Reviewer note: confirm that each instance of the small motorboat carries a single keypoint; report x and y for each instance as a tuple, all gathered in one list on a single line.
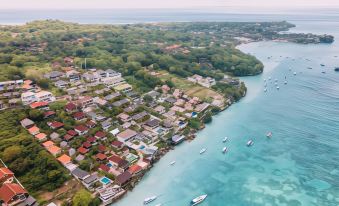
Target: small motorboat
[(265, 90), (225, 139), (158, 205), (202, 150), (322, 65), (269, 78), (249, 143), (269, 134), (224, 150), (149, 199), (294, 73), (172, 163), (278, 87), (309, 68), (336, 69), (198, 200), (285, 82), (323, 72)]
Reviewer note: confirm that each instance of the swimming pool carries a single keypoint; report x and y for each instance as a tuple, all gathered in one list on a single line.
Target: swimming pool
[(105, 181), (142, 147), (109, 165)]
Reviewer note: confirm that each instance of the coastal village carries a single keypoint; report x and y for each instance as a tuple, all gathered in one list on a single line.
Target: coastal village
[(100, 129)]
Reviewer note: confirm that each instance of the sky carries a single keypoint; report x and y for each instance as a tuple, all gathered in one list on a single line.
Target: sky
[(111, 4)]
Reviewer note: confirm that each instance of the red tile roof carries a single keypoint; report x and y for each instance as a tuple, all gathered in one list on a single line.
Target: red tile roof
[(104, 168), (117, 144), (56, 125), (10, 190), (102, 148), (49, 113), (90, 124), (35, 105), (91, 139), (82, 150), (101, 156), (72, 133), (81, 128), (67, 137), (87, 145), (70, 107), (4, 172), (100, 135), (134, 169), (79, 115)]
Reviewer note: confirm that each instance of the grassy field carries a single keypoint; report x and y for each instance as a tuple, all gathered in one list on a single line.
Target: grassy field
[(190, 88)]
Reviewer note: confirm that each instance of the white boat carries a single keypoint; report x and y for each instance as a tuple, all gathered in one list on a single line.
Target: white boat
[(224, 150), (158, 205), (285, 82), (225, 139), (265, 90), (278, 87), (172, 163), (149, 199), (198, 200), (295, 73), (269, 134), (202, 150), (249, 143)]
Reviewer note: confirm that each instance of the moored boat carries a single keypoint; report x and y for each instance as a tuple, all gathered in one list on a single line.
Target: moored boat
[(149, 199), (202, 150), (336, 69), (249, 143), (198, 200), (224, 150), (294, 73), (269, 134), (225, 139), (172, 163)]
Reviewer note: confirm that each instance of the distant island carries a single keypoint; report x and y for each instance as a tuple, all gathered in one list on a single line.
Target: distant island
[(95, 106)]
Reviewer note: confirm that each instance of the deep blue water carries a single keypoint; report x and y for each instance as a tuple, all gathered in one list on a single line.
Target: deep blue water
[(298, 166)]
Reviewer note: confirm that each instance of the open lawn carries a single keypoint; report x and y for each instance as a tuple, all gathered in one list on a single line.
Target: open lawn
[(190, 88)]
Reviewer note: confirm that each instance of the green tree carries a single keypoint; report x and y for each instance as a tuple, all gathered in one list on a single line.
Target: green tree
[(82, 198)]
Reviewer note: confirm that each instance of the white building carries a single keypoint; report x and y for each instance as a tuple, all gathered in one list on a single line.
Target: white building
[(42, 96)]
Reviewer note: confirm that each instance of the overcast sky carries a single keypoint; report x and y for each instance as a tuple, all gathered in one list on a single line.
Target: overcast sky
[(87, 4)]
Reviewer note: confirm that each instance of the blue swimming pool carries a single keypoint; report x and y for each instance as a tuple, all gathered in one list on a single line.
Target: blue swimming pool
[(142, 147), (109, 165), (105, 180)]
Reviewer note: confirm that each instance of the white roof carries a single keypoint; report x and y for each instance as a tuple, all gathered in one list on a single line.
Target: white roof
[(115, 131), (52, 204)]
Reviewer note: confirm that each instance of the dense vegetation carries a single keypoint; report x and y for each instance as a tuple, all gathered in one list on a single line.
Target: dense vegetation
[(126, 48), (33, 165)]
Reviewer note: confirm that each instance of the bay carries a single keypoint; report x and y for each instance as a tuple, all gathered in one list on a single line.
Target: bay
[(297, 166)]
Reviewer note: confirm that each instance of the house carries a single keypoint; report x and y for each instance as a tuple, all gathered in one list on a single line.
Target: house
[(83, 150), (102, 148), (79, 158), (54, 150), (28, 98), (84, 102), (123, 88), (92, 140), (89, 181), (112, 96), (126, 135), (100, 135), (80, 174), (165, 89), (54, 75), (47, 144), (6, 175), (118, 163), (201, 107), (176, 139), (120, 102), (86, 145), (61, 84), (27, 123), (104, 168), (99, 101), (72, 133), (81, 129), (44, 96), (67, 137), (69, 60), (117, 144), (160, 109), (101, 157), (64, 159), (73, 75), (113, 81), (49, 114), (152, 124), (90, 124), (79, 116), (123, 178), (124, 117), (34, 130), (64, 144), (115, 131), (54, 136), (139, 116), (55, 125), (112, 73), (106, 125), (70, 107), (41, 137), (12, 194), (135, 170), (39, 105)]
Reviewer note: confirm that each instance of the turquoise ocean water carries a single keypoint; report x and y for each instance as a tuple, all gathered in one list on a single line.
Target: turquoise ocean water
[(298, 166)]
